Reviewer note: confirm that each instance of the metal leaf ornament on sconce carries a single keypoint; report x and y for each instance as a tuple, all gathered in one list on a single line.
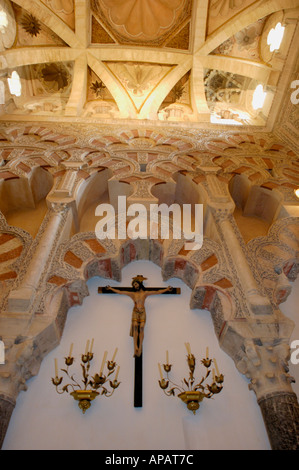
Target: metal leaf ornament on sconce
[(92, 386), (192, 392)]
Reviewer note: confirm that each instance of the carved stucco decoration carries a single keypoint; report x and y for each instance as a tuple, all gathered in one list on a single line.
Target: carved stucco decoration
[(222, 7), (64, 9), (277, 257), (14, 244), (148, 21), (245, 43), (84, 256), (222, 10), (32, 31), (140, 80)]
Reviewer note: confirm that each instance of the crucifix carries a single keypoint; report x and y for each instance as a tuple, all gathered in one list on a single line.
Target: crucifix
[(138, 293)]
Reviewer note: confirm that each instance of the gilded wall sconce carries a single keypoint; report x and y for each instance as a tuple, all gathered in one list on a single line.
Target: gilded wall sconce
[(192, 392), (91, 386)]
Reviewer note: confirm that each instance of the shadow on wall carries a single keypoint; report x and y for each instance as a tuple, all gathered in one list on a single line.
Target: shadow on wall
[(23, 200), (257, 208), (98, 189)]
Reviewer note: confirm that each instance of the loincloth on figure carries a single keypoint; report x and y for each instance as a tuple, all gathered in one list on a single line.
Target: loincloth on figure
[(138, 318)]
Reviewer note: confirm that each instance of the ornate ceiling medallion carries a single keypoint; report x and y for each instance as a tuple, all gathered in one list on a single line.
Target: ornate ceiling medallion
[(55, 77), (30, 24)]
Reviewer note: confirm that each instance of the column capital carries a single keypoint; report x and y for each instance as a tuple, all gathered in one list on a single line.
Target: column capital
[(222, 211), (266, 365), (7, 405), (60, 206)]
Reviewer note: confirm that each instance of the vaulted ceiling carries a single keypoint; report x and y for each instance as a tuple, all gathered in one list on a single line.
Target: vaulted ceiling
[(191, 61)]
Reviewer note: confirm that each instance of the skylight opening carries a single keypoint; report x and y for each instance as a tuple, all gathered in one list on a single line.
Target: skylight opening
[(3, 21), (275, 36), (14, 84), (217, 120), (259, 97), (2, 93)]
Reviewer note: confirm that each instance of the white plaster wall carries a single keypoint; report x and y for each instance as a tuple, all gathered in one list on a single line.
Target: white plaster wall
[(45, 420)]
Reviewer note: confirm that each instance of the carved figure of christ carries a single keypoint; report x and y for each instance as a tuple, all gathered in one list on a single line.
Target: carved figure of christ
[(138, 293)]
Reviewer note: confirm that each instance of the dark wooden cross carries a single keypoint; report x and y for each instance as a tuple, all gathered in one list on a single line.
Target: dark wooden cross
[(138, 294)]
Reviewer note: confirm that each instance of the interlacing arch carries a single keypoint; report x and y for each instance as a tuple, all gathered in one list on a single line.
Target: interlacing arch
[(84, 256), (14, 244), (277, 256)]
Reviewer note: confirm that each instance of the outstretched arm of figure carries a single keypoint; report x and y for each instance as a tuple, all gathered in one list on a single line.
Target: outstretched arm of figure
[(117, 291), (160, 291)]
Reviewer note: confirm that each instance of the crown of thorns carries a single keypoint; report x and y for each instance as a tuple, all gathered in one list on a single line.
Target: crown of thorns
[(139, 278)]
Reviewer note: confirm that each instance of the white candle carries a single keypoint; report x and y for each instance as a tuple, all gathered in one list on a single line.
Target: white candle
[(103, 362), (87, 347), (160, 370), (114, 354), (188, 349), (71, 350), (207, 353), (117, 372), (91, 346), (56, 368), (216, 367), (167, 358)]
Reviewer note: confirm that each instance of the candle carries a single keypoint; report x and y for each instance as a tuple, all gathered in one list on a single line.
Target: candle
[(167, 358), (87, 347), (216, 367), (114, 354), (188, 349), (160, 370), (71, 350), (213, 375), (207, 353), (91, 346), (103, 362), (117, 372), (56, 368)]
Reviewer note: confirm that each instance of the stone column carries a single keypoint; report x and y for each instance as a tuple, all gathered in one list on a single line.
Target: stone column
[(23, 351), (7, 405), (22, 361), (222, 207), (259, 343), (280, 411), (61, 202), (265, 337), (267, 368), (20, 299), (236, 250)]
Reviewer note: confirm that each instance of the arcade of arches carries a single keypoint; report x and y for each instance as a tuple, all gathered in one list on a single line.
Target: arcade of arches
[(159, 114)]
